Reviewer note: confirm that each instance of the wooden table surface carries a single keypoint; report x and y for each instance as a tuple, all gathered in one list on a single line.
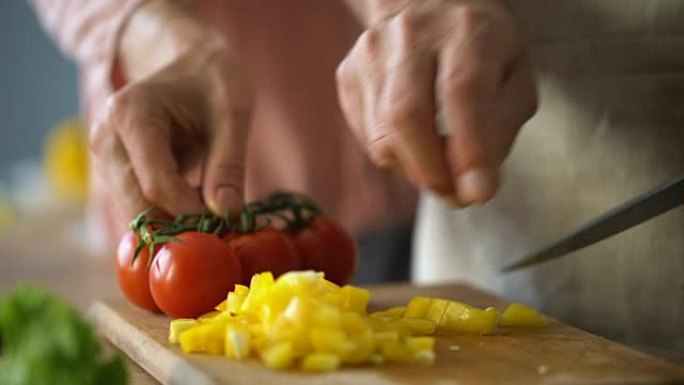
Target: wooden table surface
[(44, 252)]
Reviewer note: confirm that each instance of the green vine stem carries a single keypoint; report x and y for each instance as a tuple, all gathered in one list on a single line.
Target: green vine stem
[(295, 211)]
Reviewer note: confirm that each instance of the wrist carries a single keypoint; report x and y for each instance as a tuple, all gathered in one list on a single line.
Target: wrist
[(157, 33)]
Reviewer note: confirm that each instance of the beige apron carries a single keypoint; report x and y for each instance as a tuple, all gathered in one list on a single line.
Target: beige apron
[(610, 126)]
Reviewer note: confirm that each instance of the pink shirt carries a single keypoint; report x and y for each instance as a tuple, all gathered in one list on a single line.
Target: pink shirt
[(299, 140)]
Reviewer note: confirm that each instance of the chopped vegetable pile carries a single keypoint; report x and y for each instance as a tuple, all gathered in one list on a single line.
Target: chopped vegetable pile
[(45, 341), (303, 320)]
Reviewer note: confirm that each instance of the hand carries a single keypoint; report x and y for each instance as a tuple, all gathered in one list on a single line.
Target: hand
[(174, 138), (467, 61)]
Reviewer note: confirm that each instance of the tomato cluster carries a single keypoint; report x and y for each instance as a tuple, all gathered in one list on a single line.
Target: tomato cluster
[(186, 266)]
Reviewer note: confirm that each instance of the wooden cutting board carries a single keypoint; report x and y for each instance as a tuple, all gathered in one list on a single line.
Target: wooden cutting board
[(560, 354)]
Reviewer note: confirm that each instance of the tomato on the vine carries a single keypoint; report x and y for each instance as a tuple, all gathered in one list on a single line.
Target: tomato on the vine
[(189, 276), (263, 250), (325, 246), (132, 276)]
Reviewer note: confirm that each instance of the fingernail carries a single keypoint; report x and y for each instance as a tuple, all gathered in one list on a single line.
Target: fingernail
[(220, 202), (453, 202), (477, 185)]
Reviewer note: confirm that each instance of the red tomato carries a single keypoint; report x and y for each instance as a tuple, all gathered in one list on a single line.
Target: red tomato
[(265, 250), (325, 246), (133, 276), (191, 276)]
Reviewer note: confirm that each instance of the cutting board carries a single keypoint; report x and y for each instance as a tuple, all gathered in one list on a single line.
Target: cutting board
[(560, 354)]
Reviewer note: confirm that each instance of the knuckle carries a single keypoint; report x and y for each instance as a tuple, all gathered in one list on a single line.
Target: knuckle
[(469, 18), (368, 43), (343, 72), (409, 20), (380, 152), (96, 137)]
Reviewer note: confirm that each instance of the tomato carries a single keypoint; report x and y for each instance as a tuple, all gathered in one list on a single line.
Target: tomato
[(325, 246), (265, 250), (190, 276), (133, 276)]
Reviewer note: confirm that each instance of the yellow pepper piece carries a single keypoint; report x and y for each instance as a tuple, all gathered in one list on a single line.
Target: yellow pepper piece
[(279, 356), (354, 298), (237, 341), (436, 310), (206, 338), (320, 362), (328, 341), (327, 317), (209, 315), (395, 351), (241, 290), (418, 344), (518, 315), (222, 305), (178, 326), (463, 318), (418, 307), (419, 327)]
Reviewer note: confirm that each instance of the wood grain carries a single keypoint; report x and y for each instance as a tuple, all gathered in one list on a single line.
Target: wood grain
[(560, 354)]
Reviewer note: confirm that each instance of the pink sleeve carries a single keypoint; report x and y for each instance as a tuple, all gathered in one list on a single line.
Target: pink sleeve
[(88, 31)]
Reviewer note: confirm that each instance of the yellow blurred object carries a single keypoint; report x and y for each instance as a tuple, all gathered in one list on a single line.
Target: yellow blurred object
[(6, 214), (65, 160), (517, 315)]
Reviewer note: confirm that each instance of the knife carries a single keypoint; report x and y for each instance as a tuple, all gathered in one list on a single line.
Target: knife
[(629, 214)]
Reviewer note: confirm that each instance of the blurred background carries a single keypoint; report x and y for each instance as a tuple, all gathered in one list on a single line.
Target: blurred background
[(44, 235), (38, 87)]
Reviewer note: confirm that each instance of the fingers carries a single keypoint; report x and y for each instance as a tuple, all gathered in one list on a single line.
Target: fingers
[(144, 132), (472, 67), (223, 186), (111, 164), (386, 92)]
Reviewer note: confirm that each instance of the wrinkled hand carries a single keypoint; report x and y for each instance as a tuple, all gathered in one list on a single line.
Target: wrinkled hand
[(463, 60), (175, 139)]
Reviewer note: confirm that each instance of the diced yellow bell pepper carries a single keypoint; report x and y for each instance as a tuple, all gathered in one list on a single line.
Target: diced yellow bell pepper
[(354, 298), (395, 351), (222, 305), (241, 290), (329, 317), (436, 310), (328, 341), (463, 318), (208, 316), (178, 326), (419, 327), (361, 347), (234, 302), (206, 338), (384, 336), (418, 307), (518, 315), (279, 356), (237, 341), (354, 323), (320, 362), (417, 344)]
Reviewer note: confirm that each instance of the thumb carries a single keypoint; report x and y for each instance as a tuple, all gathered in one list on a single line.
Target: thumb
[(224, 173)]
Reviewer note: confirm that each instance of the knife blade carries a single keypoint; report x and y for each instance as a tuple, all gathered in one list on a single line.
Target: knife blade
[(652, 203)]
